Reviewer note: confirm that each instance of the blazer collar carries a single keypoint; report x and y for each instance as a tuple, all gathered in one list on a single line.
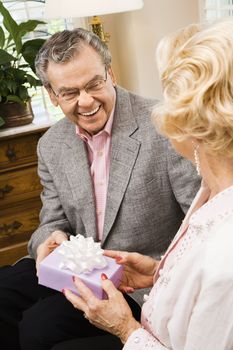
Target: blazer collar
[(124, 152)]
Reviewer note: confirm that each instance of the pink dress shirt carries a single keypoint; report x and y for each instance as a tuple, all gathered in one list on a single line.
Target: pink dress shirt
[(98, 149), (190, 306)]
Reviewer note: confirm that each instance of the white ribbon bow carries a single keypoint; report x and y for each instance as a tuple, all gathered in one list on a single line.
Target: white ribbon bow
[(81, 255)]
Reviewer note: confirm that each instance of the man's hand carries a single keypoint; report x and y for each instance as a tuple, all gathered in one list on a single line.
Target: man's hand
[(52, 242), (138, 269)]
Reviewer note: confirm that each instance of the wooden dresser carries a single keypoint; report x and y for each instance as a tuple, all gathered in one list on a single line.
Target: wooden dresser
[(19, 188)]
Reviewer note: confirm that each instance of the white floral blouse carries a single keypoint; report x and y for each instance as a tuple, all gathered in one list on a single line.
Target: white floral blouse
[(190, 306)]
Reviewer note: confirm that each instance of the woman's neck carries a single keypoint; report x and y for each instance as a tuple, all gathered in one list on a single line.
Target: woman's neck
[(217, 174)]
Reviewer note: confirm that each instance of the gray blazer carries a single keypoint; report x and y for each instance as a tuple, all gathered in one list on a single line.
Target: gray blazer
[(150, 186)]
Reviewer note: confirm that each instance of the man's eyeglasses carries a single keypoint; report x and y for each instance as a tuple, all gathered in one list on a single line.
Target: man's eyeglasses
[(92, 87)]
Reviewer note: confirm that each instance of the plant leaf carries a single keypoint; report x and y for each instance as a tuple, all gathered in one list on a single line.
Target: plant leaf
[(2, 37), (11, 26), (32, 81), (5, 57), (28, 26), (14, 98), (12, 86), (30, 49), (23, 93)]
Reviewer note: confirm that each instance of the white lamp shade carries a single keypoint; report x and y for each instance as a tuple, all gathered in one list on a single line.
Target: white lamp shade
[(86, 8)]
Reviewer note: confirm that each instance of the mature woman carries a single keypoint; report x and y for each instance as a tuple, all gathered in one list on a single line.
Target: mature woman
[(191, 303)]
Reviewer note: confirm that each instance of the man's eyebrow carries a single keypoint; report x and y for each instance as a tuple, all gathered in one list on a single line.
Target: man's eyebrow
[(65, 88), (96, 77)]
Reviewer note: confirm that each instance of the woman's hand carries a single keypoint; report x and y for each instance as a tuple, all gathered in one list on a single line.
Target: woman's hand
[(138, 269), (112, 315)]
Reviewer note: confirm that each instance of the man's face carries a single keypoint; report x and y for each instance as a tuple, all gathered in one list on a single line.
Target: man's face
[(90, 111)]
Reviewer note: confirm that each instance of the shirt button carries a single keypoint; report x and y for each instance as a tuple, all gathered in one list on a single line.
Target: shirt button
[(160, 272), (99, 213), (100, 183), (136, 340), (100, 153)]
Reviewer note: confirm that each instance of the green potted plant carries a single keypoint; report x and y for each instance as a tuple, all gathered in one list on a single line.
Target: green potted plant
[(17, 70)]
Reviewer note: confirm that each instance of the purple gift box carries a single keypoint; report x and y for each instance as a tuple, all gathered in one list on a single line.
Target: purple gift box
[(50, 275)]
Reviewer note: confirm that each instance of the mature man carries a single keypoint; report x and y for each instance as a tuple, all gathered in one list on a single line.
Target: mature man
[(106, 174)]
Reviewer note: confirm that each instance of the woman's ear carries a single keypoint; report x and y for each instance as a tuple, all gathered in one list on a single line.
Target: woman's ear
[(196, 142)]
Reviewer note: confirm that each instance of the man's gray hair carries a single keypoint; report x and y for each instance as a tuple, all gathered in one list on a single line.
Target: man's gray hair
[(63, 46)]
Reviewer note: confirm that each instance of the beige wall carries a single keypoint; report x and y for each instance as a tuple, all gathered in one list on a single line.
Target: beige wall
[(134, 36)]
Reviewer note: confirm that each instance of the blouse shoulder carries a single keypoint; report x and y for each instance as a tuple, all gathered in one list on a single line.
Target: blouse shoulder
[(218, 257)]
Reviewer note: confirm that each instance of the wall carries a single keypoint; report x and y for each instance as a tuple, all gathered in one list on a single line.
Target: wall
[(134, 36)]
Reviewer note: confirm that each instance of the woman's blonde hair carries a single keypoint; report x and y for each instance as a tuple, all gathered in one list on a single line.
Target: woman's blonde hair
[(197, 80)]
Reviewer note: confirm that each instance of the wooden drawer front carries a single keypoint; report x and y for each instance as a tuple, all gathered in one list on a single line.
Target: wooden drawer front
[(19, 185), (17, 224), (18, 151), (11, 254)]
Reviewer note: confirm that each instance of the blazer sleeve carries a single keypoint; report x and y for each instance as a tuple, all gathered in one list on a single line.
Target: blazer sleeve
[(183, 178), (52, 216)]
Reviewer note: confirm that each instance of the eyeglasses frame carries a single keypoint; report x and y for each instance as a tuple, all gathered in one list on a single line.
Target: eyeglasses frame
[(57, 95)]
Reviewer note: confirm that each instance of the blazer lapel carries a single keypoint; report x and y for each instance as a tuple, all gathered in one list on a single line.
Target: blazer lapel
[(123, 156), (79, 178)]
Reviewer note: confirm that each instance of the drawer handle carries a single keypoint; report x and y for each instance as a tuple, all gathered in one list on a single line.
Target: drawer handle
[(11, 155), (9, 229), (5, 190)]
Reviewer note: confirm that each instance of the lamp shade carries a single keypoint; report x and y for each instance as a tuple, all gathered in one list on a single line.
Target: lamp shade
[(86, 8)]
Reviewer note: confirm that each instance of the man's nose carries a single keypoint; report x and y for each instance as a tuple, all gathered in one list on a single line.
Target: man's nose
[(84, 99)]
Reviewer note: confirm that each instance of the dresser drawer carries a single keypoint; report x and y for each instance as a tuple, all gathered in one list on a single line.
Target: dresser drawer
[(18, 223), (19, 185), (10, 255), (19, 188), (18, 151)]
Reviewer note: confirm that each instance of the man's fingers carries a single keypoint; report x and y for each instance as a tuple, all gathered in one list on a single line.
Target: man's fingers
[(59, 236), (52, 242), (42, 251)]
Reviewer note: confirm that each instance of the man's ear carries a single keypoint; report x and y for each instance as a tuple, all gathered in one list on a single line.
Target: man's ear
[(112, 75), (53, 98)]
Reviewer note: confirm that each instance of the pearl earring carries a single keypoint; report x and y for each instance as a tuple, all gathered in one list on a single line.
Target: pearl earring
[(197, 160)]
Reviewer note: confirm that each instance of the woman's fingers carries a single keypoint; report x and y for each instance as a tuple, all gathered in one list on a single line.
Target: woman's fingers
[(122, 257), (114, 254), (77, 302), (86, 298), (85, 292)]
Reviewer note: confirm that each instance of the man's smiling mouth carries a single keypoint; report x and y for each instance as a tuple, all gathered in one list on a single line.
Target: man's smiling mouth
[(94, 111)]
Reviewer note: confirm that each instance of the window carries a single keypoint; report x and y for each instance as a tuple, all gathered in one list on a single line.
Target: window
[(22, 11), (212, 10)]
